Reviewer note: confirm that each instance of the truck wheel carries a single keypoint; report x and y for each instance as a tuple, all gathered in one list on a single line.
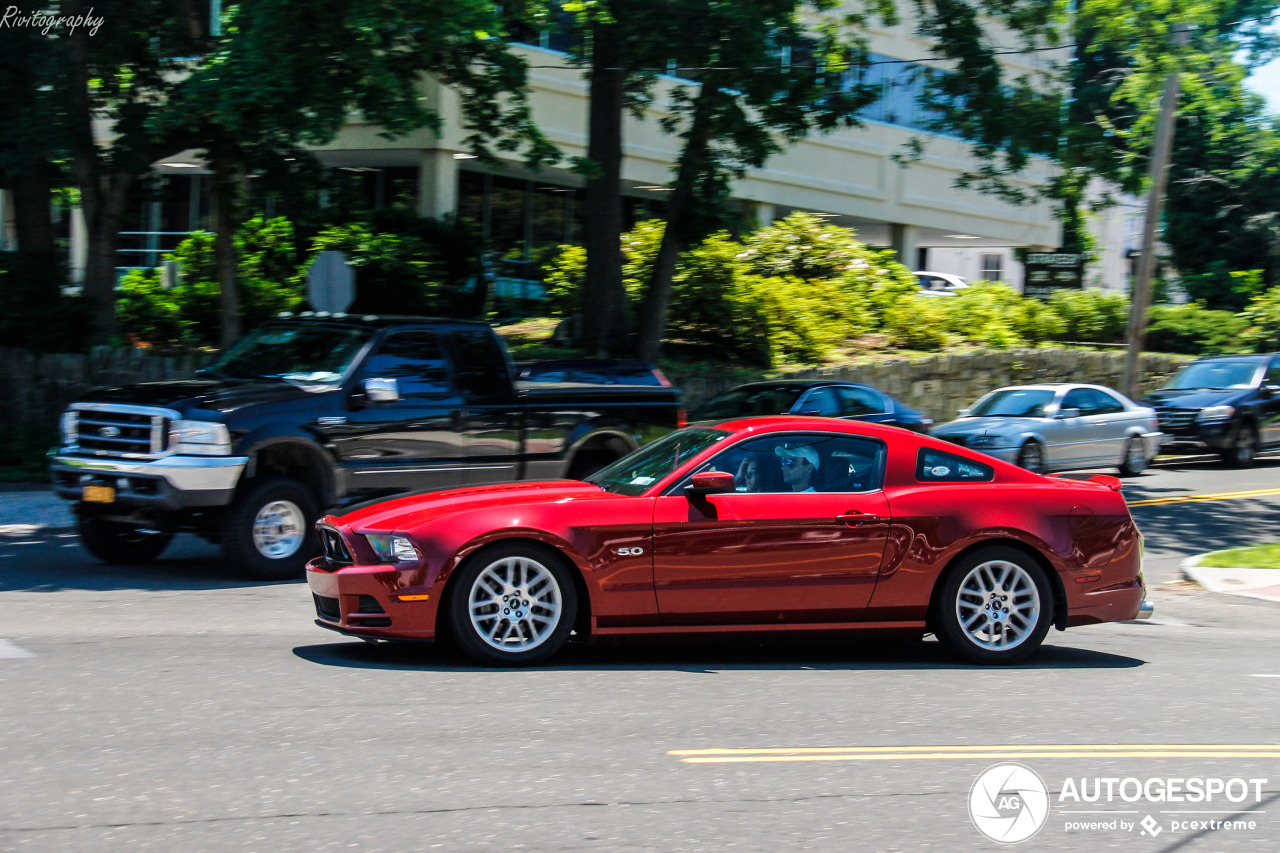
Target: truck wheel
[(269, 530), (512, 605), (1241, 447), (120, 543)]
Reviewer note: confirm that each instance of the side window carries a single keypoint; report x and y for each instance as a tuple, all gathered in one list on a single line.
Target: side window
[(415, 360), (1273, 374), (782, 464), (821, 401), (1105, 404), (481, 366), (935, 466), (858, 401), (1077, 398)]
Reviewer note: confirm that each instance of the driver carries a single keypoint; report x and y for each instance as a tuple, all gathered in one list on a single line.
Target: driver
[(799, 466)]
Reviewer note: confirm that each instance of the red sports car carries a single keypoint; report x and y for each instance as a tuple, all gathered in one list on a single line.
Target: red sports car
[(759, 525)]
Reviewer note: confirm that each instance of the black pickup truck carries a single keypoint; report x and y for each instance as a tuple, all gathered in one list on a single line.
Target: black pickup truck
[(313, 412)]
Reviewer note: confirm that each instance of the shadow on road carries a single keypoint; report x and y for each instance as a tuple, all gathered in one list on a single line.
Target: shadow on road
[(703, 657)]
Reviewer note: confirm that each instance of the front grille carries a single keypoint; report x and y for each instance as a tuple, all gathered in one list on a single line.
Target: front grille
[(327, 608), (110, 432), (335, 549), (1176, 420)]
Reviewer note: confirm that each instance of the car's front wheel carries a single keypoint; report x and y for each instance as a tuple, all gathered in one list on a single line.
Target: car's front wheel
[(1241, 447), (512, 605), (1135, 459), (119, 542), (995, 607), (1031, 457)]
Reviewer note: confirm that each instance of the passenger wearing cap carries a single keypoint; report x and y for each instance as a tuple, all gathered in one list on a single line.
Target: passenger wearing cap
[(799, 466)]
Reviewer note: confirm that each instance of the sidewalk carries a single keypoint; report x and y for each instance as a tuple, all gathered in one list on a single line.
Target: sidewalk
[(35, 506), (1250, 583)]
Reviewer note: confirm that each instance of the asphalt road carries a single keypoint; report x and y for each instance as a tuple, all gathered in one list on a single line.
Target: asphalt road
[(171, 707)]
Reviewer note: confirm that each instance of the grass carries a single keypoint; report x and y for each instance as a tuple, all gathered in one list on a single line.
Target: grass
[(1255, 557), (22, 454)]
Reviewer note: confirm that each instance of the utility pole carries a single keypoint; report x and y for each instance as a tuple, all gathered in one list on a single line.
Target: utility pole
[(1158, 172)]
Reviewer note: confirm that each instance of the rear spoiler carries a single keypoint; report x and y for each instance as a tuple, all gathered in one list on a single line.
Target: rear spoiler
[(1112, 483)]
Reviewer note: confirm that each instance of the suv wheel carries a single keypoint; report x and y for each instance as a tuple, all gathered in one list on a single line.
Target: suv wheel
[(269, 530), (118, 542), (1241, 447)]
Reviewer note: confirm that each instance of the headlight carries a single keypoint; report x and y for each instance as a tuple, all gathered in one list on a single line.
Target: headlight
[(984, 440), (396, 549), (200, 438), (1215, 413), (70, 427)]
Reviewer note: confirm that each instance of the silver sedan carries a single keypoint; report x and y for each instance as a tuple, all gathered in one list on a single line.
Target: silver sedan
[(1056, 427)]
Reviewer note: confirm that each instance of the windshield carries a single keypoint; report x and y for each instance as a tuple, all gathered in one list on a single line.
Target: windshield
[(313, 352), (1013, 403), (756, 400), (1217, 374), (633, 474)]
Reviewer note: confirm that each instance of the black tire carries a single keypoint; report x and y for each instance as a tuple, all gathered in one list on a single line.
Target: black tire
[(1241, 449), (1134, 461), (957, 600), (538, 633), (588, 462), (1031, 457), (252, 540), (120, 543)]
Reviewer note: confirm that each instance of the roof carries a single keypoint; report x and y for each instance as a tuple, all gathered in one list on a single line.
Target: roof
[(784, 423), (373, 321)]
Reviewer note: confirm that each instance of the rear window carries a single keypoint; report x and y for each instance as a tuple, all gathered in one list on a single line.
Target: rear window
[(935, 466)]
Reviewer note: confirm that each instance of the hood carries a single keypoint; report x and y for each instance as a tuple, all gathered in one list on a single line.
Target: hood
[(1193, 398), (183, 395), (407, 512), (977, 426)]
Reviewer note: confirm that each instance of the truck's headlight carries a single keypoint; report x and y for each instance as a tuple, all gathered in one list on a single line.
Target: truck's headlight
[(70, 427), (1215, 413), (396, 549), (200, 438)]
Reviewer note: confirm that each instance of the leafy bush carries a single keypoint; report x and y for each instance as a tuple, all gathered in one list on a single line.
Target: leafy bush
[(1262, 319), (919, 322), (1094, 316), (1193, 329)]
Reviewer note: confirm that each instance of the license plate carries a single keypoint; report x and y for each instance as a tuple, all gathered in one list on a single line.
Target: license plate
[(98, 494)]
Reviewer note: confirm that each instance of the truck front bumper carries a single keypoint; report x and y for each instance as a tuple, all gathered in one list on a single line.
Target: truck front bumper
[(168, 483)]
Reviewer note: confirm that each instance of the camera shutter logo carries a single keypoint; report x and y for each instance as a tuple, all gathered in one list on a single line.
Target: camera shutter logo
[(1009, 803)]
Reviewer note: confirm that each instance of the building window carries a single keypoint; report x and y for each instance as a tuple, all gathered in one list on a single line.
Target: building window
[(991, 270)]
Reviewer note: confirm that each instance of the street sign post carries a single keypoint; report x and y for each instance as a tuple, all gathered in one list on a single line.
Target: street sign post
[(1048, 272), (331, 283)]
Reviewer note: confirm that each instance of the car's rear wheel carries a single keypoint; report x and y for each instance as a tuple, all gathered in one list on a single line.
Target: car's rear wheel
[(119, 542), (1135, 457), (995, 607), (1242, 446), (512, 605), (1031, 457)]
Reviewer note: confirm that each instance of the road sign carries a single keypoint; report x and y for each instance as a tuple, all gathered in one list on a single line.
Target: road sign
[(1047, 272), (331, 283)]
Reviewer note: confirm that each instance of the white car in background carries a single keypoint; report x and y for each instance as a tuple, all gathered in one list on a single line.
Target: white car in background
[(939, 283)]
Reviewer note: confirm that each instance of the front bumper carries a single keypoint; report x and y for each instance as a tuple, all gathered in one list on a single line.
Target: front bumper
[(382, 602), (168, 483), (1211, 435)]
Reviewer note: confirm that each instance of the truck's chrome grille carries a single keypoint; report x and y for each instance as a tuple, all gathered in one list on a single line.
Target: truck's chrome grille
[(105, 431)]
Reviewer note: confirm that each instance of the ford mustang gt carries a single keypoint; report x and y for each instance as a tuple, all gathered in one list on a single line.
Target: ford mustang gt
[(795, 524)]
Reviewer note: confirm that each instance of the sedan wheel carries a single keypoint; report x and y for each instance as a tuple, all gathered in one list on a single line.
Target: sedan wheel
[(1031, 457), (1242, 446), (1135, 457), (513, 605), (996, 607)]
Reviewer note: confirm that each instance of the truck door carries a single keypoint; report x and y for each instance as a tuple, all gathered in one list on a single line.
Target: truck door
[(411, 443), (491, 416)]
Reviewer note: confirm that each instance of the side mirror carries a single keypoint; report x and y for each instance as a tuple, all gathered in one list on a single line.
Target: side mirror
[(1271, 390), (381, 390), (1064, 414), (810, 411), (710, 483)]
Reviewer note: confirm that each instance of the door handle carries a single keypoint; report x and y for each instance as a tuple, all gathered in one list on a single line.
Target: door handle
[(856, 518)]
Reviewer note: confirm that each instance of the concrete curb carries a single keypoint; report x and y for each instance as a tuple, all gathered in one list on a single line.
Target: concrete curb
[(1263, 584)]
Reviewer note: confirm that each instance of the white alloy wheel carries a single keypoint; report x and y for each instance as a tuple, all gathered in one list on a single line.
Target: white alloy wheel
[(1135, 456), (279, 529), (998, 605), (515, 604)]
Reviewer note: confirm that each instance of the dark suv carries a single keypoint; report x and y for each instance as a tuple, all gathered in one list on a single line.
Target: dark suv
[(1228, 404)]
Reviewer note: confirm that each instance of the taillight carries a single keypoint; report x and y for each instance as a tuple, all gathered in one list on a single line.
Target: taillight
[(682, 418), (662, 378)]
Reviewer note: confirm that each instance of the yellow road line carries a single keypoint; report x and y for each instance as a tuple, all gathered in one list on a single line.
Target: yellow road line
[(1221, 496), (943, 753)]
